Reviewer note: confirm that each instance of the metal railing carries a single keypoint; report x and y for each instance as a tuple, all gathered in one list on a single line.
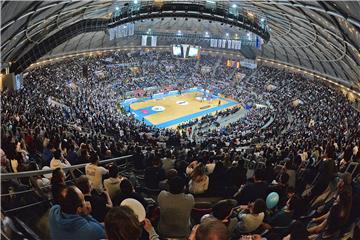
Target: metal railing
[(39, 190), (8, 176)]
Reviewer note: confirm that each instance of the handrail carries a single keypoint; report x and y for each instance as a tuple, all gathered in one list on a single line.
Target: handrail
[(25, 206), (7, 176)]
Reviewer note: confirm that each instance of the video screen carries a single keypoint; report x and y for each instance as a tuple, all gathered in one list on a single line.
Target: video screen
[(193, 51), (177, 50)]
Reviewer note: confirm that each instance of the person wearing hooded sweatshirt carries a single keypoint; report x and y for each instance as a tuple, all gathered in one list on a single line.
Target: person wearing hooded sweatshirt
[(71, 220)]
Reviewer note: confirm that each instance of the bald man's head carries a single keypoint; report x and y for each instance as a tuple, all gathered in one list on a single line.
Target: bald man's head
[(212, 230), (71, 199)]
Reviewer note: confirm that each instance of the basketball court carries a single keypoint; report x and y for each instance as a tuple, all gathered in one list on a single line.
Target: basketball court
[(171, 109)]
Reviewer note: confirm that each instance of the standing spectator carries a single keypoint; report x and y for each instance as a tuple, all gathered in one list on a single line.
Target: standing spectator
[(154, 174), (175, 209), (95, 172), (71, 220), (252, 191), (112, 184)]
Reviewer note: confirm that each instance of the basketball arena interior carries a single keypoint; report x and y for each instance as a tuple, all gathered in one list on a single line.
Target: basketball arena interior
[(194, 120)]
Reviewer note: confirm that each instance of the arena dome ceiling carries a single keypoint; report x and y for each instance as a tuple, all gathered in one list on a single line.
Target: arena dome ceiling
[(318, 35)]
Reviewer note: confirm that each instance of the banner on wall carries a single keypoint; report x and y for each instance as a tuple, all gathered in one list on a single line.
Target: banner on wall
[(121, 31), (143, 40), (153, 41), (223, 43)]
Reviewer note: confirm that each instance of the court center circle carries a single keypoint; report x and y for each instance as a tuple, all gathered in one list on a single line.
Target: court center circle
[(158, 108), (182, 103)]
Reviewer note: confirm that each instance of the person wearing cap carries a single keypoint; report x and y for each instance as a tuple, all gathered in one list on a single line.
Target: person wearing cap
[(222, 211)]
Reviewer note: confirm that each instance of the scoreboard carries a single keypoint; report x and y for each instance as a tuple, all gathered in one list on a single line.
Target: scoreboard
[(186, 51)]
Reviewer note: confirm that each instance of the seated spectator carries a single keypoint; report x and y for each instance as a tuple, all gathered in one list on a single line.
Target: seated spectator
[(250, 219), (112, 184), (99, 203), (199, 181), (252, 191), (71, 219), (281, 188), (57, 184), (330, 223), (326, 173), (95, 172), (5, 164), (269, 172), (344, 184), (164, 185), (71, 156), (121, 223), (46, 155), (330, 229), (17, 163), (154, 174), (222, 211), (289, 169), (58, 161), (175, 210), (209, 167), (209, 230), (284, 217), (127, 191), (297, 232), (168, 162)]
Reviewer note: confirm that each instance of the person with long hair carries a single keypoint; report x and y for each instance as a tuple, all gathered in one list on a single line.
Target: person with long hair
[(199, 181), (121, 223), (57, 184)]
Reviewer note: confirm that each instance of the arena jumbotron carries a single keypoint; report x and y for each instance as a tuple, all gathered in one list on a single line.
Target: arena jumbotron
[(198, 120)]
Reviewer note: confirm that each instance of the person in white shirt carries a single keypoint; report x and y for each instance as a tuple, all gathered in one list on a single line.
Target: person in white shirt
[(95, 173), (250, 221), (58, 161), (112, 184)]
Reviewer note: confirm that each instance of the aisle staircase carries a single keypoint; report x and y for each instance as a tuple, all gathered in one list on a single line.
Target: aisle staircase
[(217, 64)]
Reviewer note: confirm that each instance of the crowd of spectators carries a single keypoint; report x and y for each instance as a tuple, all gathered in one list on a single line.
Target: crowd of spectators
[(299, 151)]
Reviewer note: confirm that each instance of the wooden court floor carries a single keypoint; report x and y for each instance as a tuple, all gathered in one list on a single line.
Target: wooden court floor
[(181, 107)]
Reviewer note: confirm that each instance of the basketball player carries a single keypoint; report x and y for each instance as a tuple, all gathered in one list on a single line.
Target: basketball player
[(219, 102)]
